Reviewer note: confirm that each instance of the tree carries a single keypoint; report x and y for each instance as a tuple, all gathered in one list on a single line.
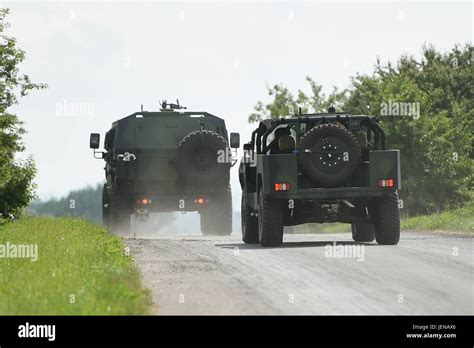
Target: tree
[(437, 148), (16, 177), (285, 104)]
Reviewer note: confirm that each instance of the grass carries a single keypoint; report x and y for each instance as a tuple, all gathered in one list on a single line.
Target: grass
[(81, 270), (326, 228), (457, 220)]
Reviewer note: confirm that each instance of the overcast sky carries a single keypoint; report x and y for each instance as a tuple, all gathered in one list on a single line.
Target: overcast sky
[(108, 58)]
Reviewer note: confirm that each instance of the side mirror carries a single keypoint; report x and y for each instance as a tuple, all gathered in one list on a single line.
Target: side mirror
[(248, 147), (234, 140), (94, 141)]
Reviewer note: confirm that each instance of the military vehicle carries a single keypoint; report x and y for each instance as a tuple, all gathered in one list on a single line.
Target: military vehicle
[(316, 168), (165, 161)]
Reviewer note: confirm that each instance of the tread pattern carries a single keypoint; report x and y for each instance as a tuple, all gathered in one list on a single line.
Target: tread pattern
[(363, 233), (270, 221), (119, 215), (249, 223), (199, 133), (186, 149), (387, 219), (307, 166), (216, 219)]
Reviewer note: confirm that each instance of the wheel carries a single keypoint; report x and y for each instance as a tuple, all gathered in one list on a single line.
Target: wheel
[(201, 159), (329, 155), (216, 218), (386, 218), (105, 207), (119, 216), (270, 220), (249, 223), (363, 233)]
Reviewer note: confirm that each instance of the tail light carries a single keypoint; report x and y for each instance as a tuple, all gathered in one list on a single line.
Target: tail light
[(386, 183), (282, 186), (144, 201), (201, 200)]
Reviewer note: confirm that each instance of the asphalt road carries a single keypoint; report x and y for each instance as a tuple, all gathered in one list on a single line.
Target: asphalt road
[(424, 274)]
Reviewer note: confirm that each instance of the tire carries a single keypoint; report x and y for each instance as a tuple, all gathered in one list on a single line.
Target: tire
[(105, 207), (249, 223), (323, 152), (119, 216), (270, 221), (363, 233), (198, 162), (216, 218), (386, 218)]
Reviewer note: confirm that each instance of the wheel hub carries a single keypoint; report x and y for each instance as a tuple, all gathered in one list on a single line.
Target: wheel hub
[(328, 155), (203, 159)]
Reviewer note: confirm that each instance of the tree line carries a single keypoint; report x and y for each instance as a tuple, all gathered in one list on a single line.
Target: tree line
[(85, 203)]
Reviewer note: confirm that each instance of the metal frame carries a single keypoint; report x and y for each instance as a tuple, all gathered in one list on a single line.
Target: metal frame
[(371, 122)]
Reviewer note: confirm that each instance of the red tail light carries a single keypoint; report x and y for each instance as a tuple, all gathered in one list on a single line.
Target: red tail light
[(386, 183), (144, 201), (282, 186), (201, 200)]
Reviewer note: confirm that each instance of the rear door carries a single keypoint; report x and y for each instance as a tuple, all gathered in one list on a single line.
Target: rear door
[(156, 140)]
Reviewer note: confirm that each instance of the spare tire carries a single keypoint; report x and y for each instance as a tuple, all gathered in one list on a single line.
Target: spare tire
[(199, 159), (328, 155)]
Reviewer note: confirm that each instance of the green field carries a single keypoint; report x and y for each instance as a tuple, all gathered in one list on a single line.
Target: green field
[(458, 220), (80, 270)]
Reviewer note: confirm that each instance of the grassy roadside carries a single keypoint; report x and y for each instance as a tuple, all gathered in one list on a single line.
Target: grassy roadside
[(80, 270), (458, 220), (326, 228)]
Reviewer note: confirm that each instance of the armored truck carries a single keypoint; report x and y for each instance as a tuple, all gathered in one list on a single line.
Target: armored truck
[(316, 168), (164, 161)]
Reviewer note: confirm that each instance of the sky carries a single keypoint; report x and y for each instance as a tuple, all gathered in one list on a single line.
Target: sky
[(102, 60)]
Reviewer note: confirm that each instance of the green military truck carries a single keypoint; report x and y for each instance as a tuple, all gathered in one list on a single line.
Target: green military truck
[(165, 161), (317, 168)]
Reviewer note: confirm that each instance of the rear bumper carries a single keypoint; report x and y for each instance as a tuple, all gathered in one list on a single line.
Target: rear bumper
[(332, 193)]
